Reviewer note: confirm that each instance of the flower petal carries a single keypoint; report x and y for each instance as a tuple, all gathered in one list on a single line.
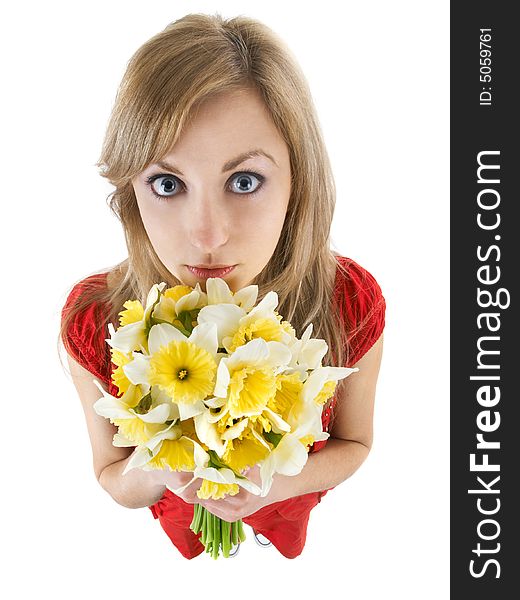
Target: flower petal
[(223, 378), (225, 316), (254, 353), (161, 335), (267, 305), (246, 297), (128, 338), (139, 457), (291, 455), (279, 425), (205, 336), (121, 441), (235, 430), (208, 434), (188, 302), (279, 354), (138, 369), (218, 291), (159, 414), (186, 411)]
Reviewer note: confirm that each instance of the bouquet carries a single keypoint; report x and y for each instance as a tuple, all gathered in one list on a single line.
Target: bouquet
[(213, 384)]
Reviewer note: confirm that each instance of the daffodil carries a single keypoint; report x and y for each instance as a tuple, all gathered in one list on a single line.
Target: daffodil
[(224, 308), (218, 292), (221, 475), (137, 423), (290, 454), (184, 368), (179, 306), (244, 450), (132, 335), (261, 322), (307, 352), (320, 384), (169, 449), (119, 378), (247, 379)]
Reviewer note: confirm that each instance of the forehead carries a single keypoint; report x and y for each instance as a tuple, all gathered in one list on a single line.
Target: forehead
[(226, 125)]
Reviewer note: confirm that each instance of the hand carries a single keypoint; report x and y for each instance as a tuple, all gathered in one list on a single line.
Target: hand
[(176, 479), (243, 504)]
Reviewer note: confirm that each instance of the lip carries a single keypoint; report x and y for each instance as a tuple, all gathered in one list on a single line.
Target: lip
[(205, 273)]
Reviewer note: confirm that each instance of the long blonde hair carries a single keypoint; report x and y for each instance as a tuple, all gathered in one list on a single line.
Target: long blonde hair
[(192, 59)]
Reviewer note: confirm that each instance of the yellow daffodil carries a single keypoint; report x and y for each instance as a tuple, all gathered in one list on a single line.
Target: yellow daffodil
[(261, 322), (267, 329), (244, 451), (216, 491), (320, 384), (132, 335), (247, 379), (222, 476), (184, 371), (183, 368), (224, 308), (136, 423), (133, 313), (118, 376), (168, 449), (176, 300), (289, 387)]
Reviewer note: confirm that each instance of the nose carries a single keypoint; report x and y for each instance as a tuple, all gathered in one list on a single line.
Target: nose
[(208, 224)]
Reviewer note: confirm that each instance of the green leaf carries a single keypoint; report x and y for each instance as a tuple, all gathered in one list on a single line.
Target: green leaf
[(144, 404), (273, 438)]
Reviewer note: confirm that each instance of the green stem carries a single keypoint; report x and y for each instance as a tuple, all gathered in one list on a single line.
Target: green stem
[(241, 533), (234, 533)]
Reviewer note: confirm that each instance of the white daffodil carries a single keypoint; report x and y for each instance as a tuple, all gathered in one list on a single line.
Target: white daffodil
[(224, 308), (307, 352), (136, 424), (168, 449), (322, 381), (133, 335), (247, 379), (218, 292), (176, 300), (261, 322), (182, 367), (208, 433), (290, 455), (220, 476)]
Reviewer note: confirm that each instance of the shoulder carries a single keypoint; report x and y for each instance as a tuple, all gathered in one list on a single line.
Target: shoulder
[(357, 286), (86, 285), (83, 316), (361, 305)]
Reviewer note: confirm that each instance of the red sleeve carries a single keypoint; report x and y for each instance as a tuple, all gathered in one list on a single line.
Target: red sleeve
[(362, 307), (82, 338)]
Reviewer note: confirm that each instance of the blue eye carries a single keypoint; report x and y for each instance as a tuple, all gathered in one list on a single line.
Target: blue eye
[(244, 181), (167, 186), (164, 186)]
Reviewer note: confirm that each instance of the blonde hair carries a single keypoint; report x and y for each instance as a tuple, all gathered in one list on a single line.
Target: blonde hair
[(192, 59)]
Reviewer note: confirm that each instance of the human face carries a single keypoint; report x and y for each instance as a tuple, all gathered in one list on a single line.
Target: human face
[(212, 213)]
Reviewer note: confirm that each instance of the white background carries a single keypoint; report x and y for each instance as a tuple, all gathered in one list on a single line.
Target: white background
[(379, 76)]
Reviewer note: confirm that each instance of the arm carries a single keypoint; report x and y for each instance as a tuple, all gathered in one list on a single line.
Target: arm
[(345, 451), (351, 435), (135, 489)]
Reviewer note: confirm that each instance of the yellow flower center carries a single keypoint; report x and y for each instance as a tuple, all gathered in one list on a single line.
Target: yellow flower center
[(184, 371)]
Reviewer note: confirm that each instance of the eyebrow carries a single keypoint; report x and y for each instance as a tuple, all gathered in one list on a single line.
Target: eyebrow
[(228, 166)]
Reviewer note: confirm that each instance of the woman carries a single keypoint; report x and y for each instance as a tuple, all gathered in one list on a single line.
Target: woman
[(220, 170)]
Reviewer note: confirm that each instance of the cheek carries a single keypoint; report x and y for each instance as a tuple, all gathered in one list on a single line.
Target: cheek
[(265, 223), (160, 224)]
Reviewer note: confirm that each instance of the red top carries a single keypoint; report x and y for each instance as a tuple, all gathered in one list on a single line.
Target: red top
[(361, 305)]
